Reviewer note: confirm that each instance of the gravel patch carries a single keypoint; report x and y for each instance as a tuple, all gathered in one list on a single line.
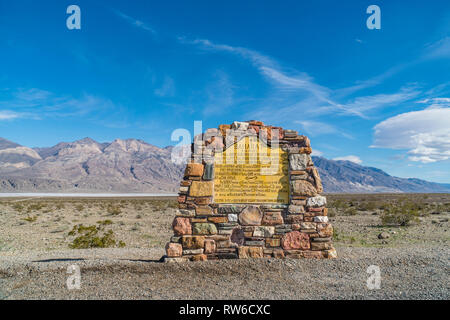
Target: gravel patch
[(406, 273)]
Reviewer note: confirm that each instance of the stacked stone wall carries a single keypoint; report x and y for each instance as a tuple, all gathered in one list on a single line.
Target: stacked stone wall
[(204, 230)]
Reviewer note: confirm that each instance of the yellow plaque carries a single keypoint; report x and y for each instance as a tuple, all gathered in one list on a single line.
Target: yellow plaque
[(251, 172)]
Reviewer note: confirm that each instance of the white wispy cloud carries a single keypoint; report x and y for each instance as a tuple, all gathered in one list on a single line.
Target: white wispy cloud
[(9, 115), (38, 104), (317, 153), (425, 134), (351, 158), (438, 49), (298, 92), (135, 22), (317, 128)]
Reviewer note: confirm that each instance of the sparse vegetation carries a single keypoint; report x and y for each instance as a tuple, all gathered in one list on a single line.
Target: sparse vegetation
[(402, 214), (30, 218), (114, 210), (93, 237)]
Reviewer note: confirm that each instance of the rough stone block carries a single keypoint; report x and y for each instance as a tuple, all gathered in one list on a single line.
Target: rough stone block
[(210, 246), (296, 209), (317, 201), (208, 172), (299, 162), (272, 218), (295, 240), (264, 231), (250, 252), (302, 188), (204, 228), (176, 259), (192, 251), (321, 219), (193, 242), (193, 169), (272, 242), (181, 226), (201, 189), (250, 216), (174, 249)]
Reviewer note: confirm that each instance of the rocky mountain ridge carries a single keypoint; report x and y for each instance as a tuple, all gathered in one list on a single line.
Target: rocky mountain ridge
[(133, 165)]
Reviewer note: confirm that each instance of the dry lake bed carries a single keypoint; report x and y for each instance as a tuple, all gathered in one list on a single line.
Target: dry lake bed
[(117, 244)]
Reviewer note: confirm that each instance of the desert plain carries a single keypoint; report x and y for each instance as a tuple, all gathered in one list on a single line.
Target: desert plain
[(118, 245)]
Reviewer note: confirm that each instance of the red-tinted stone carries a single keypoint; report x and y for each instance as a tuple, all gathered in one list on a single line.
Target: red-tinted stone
[(182, 226), (174, 249), (295, 240)]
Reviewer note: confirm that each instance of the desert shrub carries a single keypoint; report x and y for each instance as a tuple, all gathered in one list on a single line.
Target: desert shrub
[(93, 237), (331, 212), (35, 207), (18, 207), (351, 211), (30, 218), (79, 207), (114, 210), (401, 214), (367, 206), (104, 222)]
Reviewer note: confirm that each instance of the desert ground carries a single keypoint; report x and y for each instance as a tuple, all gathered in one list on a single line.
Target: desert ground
[(118, 243)]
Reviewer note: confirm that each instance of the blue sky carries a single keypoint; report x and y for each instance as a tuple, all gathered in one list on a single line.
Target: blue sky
[(140, 69)]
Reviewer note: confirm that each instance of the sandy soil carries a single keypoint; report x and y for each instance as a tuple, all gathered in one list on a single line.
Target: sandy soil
[(35, 255)]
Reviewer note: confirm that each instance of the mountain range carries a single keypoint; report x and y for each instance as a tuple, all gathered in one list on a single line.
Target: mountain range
[(133, 165)]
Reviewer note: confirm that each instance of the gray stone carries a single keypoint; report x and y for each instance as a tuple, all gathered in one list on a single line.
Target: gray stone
[(237, 125), (276, 207), (208, 173), (229, 209), (176, 260), (299, 161), (192, 251), (383, 235), (321, 239), (303, 176), (232, 217), (254, 243), (264, 231), (308, 226), (227, 225), (296, 209), (175, 239)]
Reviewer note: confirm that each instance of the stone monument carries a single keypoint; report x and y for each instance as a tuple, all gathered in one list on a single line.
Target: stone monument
[(250, 191)]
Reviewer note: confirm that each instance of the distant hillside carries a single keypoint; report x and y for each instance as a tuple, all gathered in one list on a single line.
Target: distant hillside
[(346, 176), (135, 166)]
